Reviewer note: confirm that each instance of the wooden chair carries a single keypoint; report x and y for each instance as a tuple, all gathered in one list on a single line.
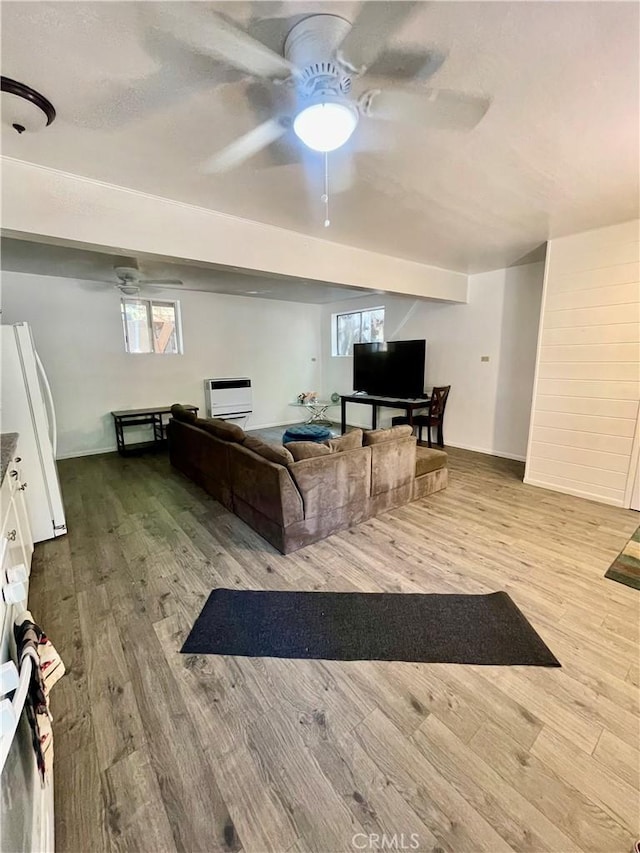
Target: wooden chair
[(435, 416)]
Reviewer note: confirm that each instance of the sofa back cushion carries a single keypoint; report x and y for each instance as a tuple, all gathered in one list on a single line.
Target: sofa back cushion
[(223, 430), (202, 457), (279, 455), (349, 441), (329, 482), (307, 450), (377, 436)]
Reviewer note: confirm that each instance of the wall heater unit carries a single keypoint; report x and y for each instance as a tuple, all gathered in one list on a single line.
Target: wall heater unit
[(229, 399)]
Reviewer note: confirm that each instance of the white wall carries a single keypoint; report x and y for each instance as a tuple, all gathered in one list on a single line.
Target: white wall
[(489, 404), (78, 333), (584, 426)]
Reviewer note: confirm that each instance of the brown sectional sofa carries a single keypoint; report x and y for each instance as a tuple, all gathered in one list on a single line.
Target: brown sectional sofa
[(294, 503)]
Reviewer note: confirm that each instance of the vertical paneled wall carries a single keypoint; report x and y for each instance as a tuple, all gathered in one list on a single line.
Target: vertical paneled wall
[(584, 419)]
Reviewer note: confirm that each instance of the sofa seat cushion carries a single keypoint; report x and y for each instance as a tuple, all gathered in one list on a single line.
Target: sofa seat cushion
[(428, 460), (307, 450), (222, 429), (279, 455), (376, 436), (349, 441)]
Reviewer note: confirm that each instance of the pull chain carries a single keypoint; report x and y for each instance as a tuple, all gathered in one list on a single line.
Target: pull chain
[(325, 197)]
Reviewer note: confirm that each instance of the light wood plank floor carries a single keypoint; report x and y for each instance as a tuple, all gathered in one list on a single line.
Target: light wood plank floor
[(161, 752)]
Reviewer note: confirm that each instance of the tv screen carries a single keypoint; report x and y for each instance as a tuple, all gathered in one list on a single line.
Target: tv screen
[(391, 369)]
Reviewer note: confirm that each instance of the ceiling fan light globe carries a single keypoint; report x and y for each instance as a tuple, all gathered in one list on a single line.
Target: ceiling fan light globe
[(129, 289), (326, 126)]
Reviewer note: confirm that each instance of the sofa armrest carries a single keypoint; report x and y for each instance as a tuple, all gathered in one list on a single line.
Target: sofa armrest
[(265, 486), (393, 464), (327, 483)]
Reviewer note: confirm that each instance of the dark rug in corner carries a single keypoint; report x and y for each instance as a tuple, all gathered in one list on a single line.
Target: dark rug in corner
[(626, 566), (477, 629)]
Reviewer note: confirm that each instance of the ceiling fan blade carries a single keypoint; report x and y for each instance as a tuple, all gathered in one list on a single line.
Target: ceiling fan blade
[(246, 146), (161, 282), (439, 108), (374, 25), (179, 74), (406, 64), (265, 101), (208, 33)]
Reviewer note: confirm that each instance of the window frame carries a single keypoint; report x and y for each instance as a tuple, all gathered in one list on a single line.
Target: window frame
[(334, 328), (149, 303)]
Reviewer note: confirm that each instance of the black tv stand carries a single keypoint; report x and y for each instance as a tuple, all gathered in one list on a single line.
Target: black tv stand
[(407, 403)]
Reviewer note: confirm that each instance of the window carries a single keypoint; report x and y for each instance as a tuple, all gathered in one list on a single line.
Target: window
[(357, 327), (151, 325)]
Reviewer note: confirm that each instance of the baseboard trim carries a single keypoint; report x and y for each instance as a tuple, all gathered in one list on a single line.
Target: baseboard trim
[(501, 455), (577, 493), (96, 452), (498, 453), (271, 425), (80, 453)]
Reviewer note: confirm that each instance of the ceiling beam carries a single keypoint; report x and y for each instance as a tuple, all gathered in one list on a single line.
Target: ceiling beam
[(44, 204)]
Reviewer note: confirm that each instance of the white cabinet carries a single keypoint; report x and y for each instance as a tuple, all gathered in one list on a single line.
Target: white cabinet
[(16, 530), (26, 807), (16, 549), (19, 492)]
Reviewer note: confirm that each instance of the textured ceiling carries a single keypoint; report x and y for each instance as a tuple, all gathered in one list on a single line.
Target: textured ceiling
[(557, 152), (69, 262)]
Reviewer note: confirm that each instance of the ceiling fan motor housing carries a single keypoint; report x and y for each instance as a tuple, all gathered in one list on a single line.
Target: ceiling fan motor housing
[(310, 46), (127, 274)]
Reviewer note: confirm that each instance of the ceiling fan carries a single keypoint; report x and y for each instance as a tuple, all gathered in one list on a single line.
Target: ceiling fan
[(323, 55), (130, 281)]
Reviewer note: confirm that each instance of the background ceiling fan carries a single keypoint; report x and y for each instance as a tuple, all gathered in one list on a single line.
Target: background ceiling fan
[(130, 281), (309, 88)]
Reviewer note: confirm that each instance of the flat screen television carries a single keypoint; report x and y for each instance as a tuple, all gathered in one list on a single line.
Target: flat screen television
[(391, 369)]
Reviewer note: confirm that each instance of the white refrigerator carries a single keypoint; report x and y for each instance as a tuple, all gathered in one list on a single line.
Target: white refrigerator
[(26, 407)]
